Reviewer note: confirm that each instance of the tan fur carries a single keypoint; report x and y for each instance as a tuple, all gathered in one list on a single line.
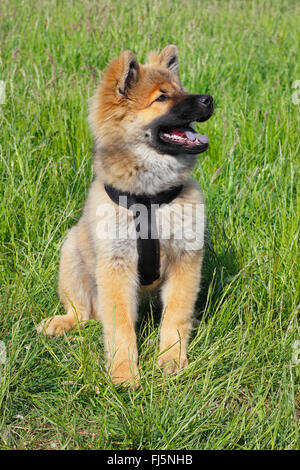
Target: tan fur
[(98, 279), (116, 288), (179, 295)]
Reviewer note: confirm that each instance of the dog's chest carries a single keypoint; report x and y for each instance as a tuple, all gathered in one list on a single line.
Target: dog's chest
[(178, 228), (181, 227)]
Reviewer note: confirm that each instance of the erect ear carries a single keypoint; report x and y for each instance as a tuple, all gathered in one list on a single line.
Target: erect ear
[(129, 72), (169, 58)]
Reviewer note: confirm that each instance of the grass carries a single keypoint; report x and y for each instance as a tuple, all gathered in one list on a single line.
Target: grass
[(241, 388)]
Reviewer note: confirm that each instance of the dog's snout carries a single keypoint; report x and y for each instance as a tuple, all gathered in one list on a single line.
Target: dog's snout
[(205, 100)]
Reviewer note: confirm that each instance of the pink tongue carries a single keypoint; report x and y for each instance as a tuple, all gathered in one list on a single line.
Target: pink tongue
[(190, 134)]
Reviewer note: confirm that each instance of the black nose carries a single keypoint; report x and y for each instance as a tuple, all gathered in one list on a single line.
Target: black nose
[(207, 100)]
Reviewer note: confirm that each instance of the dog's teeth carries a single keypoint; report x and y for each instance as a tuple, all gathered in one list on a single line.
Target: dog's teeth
[(174, 137)]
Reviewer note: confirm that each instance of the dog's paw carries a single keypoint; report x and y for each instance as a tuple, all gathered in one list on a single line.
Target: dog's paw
[(170, 364), (56, 325), (125, 376)]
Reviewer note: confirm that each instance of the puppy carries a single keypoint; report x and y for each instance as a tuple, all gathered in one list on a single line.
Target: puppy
[(145, 149)]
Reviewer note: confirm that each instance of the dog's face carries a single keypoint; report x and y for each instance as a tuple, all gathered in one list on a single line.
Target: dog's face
[(145, 105)]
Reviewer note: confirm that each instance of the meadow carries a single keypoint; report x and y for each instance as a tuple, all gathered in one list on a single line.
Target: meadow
[(241, 387)]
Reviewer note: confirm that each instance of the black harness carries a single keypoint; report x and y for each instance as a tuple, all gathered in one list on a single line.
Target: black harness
[(147, 242)]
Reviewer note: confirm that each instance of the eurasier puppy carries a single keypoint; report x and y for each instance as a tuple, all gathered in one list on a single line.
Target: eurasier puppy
[(145, 149)]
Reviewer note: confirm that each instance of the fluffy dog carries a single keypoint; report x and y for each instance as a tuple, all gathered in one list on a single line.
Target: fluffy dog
[(145, 148)]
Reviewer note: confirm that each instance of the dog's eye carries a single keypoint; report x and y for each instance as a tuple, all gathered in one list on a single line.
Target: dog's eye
[(162, 97)]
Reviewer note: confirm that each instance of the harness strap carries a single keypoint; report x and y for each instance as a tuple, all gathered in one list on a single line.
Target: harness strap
[(147, 243)]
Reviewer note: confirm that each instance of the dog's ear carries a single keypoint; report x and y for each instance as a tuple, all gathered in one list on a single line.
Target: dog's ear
[(169, 58), (129, 72)]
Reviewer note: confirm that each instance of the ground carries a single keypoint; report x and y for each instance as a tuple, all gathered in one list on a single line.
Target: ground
[(241, 388)]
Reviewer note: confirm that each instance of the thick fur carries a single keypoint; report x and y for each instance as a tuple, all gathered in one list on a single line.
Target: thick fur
[(98, 278)]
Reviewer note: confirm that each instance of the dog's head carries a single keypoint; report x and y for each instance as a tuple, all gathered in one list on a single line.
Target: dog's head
[(138, 105)]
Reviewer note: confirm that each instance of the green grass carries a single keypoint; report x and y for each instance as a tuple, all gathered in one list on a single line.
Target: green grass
[(241, 388)]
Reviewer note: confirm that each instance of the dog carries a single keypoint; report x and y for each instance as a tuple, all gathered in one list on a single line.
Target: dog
[(145, 149)]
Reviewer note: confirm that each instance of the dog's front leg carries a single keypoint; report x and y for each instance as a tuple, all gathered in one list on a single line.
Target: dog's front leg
[(179, 295), (117, 311)]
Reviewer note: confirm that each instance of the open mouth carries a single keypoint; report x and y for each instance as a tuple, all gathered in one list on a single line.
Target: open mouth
[(185, 137)]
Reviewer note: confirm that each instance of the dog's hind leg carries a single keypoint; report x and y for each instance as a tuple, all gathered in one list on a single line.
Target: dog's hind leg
[(75, 289)]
